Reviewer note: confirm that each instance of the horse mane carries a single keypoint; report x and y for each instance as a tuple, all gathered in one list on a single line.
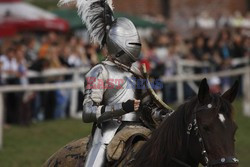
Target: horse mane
[(158, 151), (169, 139)]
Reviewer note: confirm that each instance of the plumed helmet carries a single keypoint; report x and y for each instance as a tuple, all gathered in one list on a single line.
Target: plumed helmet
[(119, 35), (123, 41)]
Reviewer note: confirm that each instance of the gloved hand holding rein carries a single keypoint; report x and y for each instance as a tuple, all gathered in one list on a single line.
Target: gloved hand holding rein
[(128, 106)]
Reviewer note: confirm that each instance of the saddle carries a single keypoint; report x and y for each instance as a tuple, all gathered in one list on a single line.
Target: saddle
[(125, 141), (120, 151)]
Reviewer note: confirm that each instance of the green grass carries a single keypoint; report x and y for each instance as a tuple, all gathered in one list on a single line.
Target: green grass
[(30, 147), (242, 136)]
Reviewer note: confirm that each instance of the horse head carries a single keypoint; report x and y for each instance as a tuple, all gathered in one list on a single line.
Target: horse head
[(200, 131), (213, 128)]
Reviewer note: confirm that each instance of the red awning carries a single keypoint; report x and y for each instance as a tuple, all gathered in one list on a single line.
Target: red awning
[(10, 28), (7, 30), (13, 18)]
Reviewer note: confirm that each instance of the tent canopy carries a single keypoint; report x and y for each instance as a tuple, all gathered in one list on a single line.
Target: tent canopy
[(75, 22), (18, 16), (71, 16)]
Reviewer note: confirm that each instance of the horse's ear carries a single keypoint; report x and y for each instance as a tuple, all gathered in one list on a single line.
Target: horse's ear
[(203, 94), (230, 94)]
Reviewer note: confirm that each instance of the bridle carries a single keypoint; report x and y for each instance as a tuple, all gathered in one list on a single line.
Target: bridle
[(193, 126)]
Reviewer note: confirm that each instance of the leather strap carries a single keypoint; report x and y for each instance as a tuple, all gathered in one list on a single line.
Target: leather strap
[(224, 161)]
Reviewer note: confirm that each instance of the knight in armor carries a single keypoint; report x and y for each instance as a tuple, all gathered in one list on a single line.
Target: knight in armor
[(110, 102)]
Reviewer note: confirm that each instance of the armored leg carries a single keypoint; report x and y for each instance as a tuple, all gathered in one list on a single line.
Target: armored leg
[(96, 156)]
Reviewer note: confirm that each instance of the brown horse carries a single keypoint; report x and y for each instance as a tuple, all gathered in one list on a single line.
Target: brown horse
[(200, 131)]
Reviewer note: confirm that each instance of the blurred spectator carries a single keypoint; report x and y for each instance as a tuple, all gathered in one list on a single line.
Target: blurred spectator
[(205, 21), (31, 54), (225, 48), (47, 41), (246, 45), (214, 85), (1, 80), (10, 68), (9, 65), (91, 54), (238, 50), (169, 91), (146, 56), (64, 56), (198, 49), (224, 45), (24, 98)]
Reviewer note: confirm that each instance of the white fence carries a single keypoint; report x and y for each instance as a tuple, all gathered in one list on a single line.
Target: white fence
[(77, 84), (74, 85), (184, 76)]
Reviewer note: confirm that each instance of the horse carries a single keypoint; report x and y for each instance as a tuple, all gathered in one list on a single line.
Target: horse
[(200, 131)]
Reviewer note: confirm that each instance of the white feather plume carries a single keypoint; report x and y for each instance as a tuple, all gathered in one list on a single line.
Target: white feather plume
[(110, 3), (91, 14)]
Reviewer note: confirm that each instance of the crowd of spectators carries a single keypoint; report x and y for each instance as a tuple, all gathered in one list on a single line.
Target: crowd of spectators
[(38, 53), (161, 52), (165, 50), (210, 20)]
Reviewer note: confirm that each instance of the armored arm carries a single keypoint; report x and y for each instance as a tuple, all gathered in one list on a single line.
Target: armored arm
[(93, 111), (115, 111), (93, 94)]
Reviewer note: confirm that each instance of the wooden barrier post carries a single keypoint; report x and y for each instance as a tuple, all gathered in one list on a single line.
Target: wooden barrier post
[(74, 96), (180, 84), (246, 88), (1, 120)]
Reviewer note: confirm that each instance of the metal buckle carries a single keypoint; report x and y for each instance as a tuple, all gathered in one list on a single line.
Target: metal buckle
[(195, 122), (222, 160), (189, 128), (119, 120), (206, 160), (235, 160)]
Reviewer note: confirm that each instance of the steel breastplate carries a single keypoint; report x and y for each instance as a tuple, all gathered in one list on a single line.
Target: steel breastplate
[(114, 96), (125, 92)]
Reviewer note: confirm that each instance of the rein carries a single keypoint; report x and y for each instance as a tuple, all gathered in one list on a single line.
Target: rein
[(145, 76), (193, 126)]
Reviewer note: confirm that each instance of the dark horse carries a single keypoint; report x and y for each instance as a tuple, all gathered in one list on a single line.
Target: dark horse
[(200, 131)]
